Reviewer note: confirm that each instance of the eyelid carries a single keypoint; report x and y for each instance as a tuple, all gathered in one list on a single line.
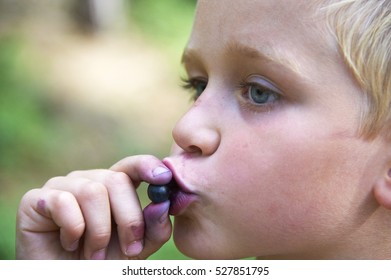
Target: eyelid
[(258, 80), (263, 84), (191, 82)]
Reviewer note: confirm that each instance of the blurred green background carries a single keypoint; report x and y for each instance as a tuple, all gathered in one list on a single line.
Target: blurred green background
[(82, 85)]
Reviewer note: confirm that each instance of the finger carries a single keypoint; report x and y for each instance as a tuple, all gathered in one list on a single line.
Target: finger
[(94, 203), (49, 211), (140, 168), (158, 228), (125, 208), (145, 168)]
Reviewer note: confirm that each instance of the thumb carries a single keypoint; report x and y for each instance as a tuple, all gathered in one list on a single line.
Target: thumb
[(158, 228)]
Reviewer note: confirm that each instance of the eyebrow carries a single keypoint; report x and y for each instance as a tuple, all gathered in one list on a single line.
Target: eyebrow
[(266, 53)]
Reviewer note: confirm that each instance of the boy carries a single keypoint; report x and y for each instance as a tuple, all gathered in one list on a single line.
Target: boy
[(285, 153)]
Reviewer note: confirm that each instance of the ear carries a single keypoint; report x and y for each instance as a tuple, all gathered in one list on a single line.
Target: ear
[(382, 190)]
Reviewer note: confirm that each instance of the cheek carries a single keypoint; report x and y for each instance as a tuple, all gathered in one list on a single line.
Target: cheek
[(293, 171), (288, 191), (277, 189)]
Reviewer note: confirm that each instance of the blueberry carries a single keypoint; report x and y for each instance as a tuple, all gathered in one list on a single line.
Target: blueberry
[(158, 193)]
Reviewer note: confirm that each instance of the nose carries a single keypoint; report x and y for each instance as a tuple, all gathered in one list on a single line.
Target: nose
[(197, 132)]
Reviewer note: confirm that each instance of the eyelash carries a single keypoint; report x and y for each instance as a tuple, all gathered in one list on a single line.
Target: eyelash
[(191, 84)]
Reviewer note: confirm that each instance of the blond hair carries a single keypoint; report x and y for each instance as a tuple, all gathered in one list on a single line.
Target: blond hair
[(363, 32)]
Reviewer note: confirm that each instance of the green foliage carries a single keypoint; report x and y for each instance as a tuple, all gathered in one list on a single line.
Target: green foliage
[(166, 22), (25, 127), (7, 233), (21, 117)]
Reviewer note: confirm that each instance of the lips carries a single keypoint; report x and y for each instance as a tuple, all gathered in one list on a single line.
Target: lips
[(181, 197)]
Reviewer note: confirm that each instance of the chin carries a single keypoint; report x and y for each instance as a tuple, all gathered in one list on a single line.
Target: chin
[(195, 243), (186, 238), (191, 240)]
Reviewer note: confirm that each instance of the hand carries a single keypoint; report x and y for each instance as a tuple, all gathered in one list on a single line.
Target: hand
[(95, 214)]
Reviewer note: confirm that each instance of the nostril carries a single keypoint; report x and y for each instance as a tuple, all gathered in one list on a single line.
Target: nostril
[(194, 149)]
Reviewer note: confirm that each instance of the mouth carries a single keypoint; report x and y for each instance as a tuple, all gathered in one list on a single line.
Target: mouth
[(180, 197)]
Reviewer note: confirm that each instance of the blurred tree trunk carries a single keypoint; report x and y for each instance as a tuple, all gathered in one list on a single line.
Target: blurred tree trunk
[(100, 15)]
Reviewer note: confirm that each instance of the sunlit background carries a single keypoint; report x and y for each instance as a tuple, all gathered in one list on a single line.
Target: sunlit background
[(84, 83)]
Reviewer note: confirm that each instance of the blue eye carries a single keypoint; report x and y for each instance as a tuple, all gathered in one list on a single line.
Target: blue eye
[(260, 95), (258, 91), (196, 86)]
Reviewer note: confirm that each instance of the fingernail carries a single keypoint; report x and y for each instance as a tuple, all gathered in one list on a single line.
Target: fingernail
[(99, 255), (160, 170), (134, 248)]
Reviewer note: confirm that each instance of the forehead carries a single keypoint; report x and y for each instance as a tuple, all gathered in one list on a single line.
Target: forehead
[(276, 21), (254, 8), (292, 29)]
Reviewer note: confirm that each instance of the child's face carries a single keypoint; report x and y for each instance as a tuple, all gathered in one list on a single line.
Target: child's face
[(270, 146)]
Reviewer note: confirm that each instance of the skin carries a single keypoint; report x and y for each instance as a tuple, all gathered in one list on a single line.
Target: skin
[(94, 214), (289, 178), (281, 177)]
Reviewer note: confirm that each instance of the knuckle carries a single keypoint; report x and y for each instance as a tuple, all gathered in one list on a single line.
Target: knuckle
[(117, 178), (92, 190), (54, 181), (76, 229), (61, 199), (120, 165), (101, 234), (99, 237), (30, 194)]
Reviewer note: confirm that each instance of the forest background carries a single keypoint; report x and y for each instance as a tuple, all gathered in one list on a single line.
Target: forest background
[(84, 83)]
